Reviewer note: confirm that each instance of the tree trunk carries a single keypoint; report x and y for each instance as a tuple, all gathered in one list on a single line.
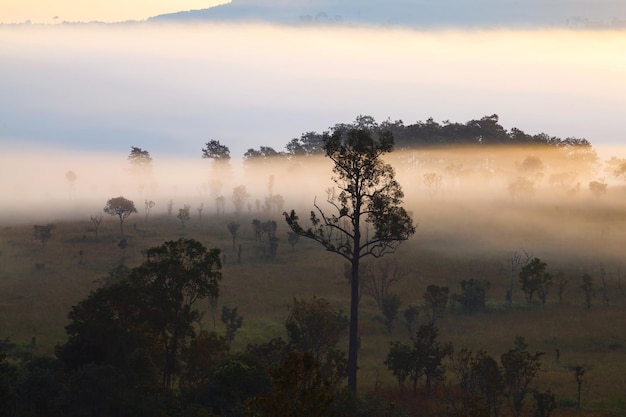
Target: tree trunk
[(353, 346)]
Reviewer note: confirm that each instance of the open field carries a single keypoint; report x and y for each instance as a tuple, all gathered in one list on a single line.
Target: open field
[(455, 240)]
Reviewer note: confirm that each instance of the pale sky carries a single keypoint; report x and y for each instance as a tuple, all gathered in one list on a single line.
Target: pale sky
[(57, 11)]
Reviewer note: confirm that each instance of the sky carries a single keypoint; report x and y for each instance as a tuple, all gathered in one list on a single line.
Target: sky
[(81, 95), (57, 11)]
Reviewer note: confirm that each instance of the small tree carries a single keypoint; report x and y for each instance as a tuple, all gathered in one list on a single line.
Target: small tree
[(561, 283), (436, 300), (378, 277), (390, 306), (293, 238), (232, 321), (233, 228), (432, 181), (96, 220), (587, 287), (579, 373), (411, 313), (239, 198), (71, 178), (473, 295), (534, 279), (598, 188), (170, 207), (121, 207), (183, 214), (42, 233), (148, 206), (520, 368), (200, 208)]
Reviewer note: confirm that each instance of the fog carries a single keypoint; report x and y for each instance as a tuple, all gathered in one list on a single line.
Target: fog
[(78, 97)]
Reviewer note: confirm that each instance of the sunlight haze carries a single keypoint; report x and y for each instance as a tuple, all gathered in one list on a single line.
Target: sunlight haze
[(57, 11)]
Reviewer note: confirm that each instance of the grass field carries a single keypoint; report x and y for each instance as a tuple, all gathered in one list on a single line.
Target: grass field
[(455, 240)]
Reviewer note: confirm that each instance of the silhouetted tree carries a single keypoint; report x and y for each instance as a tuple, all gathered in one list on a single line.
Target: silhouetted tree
[(293, 238), (216, 151), (390, 306), (598, 188), (42, 233), (200, 208), (369, 196), (183, 214), (589, 291), (121, 207), (239, 198), (436, 301), (534, 279), (148, 206), (473, 295), (233, 228), (96, 220), (579, 373), (232, 321), (520, 368)]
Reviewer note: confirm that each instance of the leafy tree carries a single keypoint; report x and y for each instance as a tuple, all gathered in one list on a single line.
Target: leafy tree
[(183, 214), (436, 300), (42, 233), (172, 279), (473, 295), (514, 261), (121, 207), (96, 220), (520, 368), (534, 279), (216, 151), (232, 321), (239, 198), (522, 187), (314, 326), (598, 188), (423, 358), (390, 306), (369, 196), (587, 287), (233, 228), (140, 159), (481, 379), (545, 403)]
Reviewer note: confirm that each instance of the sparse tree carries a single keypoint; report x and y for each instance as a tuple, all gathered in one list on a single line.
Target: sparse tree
[(233, 228), (183, 214), (293, 239), (522, 187), (534, 279), (200, 208), (587, 287), (220, 204), (170, 207), (42, 233), (432, 181), (232, 321), (514, 261), (148, 206), (239, 198), (121, 207), (378, 277), (411, 313), (579, 373), (561, 283), (369, 196), (96, 220)]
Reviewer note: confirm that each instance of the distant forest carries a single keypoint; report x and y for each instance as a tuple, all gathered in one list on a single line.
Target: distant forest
[(478, 132)]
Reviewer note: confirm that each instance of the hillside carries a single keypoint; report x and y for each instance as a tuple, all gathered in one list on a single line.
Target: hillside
[(456, 13)]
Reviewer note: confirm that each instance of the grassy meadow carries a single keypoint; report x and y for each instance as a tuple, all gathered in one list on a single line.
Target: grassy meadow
[(456, 239)]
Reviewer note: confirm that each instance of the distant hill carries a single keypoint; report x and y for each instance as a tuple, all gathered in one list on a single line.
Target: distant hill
[(416, 13)]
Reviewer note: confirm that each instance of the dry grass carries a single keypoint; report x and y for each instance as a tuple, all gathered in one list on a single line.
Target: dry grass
[(39, 285)]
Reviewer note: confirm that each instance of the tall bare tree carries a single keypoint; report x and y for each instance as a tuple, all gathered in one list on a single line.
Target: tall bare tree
[(366, 217)]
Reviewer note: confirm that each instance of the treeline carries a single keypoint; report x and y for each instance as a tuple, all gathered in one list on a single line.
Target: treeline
[(476, 132)]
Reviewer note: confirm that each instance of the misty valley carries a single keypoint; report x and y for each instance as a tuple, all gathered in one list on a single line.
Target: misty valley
[(210, 286)]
